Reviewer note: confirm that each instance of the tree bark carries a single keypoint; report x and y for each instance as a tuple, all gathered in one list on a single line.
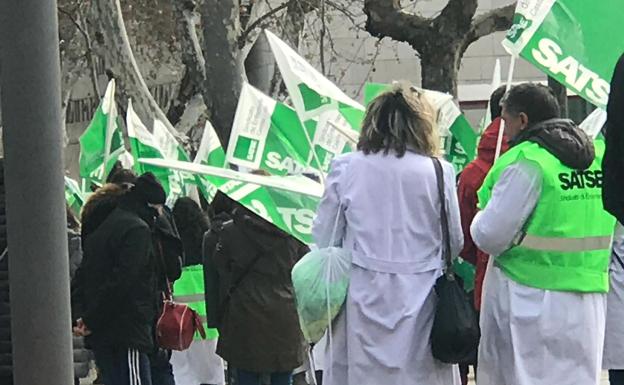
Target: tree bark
[(221, 25), (192, 58), (440, 67), (441, 41), (108, 20)]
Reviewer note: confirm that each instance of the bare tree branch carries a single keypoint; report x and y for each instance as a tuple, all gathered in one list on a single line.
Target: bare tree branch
[(192, 58), (108, 21), (243, 36), (456, 17), (386, 18), (499, 19), (77, 22)]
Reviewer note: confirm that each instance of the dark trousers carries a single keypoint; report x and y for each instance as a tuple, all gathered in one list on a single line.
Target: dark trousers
[(120, 366), (162, 372), (616, 377), (243, 377)]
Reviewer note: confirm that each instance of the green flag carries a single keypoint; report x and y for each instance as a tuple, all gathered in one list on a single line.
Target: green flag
[(267, 135), (102, 142), (73, 195), (292, 212), (319, 103), (461, 138), (145, 145), (210, 151), (576, 42), (288, 202)]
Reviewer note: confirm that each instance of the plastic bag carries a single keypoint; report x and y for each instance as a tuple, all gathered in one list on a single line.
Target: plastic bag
[(321, 281)]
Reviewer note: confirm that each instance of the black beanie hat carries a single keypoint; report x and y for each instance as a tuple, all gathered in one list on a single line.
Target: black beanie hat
[(149, 189)]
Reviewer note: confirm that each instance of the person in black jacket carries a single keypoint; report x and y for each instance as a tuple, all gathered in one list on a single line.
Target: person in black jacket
[(613, 163), (259, 333), (119, 286)]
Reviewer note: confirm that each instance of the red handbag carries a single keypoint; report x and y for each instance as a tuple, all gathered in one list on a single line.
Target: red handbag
[(177, 325)]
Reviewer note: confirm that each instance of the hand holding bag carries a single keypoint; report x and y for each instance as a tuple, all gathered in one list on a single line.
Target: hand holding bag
[(455, 334)]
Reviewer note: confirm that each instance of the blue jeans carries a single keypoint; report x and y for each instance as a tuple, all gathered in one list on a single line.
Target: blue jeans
[(243, 377), (120, 366)]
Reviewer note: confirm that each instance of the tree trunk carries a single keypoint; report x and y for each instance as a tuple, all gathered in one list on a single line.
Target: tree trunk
[(108, 22), (192, 58), (221, 25), (439, 69), (562, 95)]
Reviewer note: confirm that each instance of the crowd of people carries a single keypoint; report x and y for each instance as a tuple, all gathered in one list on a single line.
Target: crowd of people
[(532, 222)]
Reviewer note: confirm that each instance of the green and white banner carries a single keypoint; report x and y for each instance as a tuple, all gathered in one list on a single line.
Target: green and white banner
[(210, 152), (145, 145), (576, 42), (267, 135), (461, 138), (288, 202), (320, 104), (73, 195), (102, 142)]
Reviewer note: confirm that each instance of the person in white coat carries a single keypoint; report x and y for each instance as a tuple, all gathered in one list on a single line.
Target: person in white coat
[(613, 359), (384, 197), (544, 303)]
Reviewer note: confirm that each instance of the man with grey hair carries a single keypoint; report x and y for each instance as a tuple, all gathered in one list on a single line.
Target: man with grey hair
[(542, 221)]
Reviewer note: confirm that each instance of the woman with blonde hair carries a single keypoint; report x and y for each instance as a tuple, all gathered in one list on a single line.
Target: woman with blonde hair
[(384, 200)]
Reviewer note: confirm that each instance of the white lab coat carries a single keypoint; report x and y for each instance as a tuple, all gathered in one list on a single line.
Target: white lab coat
[(614, 333), (531, 336), (199, 364), (388, 214)]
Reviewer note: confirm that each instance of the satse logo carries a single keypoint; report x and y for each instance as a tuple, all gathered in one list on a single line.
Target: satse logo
[(580, 179), (583, 80)]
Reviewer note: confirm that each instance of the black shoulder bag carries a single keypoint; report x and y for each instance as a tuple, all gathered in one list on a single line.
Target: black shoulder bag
[(455, 333)]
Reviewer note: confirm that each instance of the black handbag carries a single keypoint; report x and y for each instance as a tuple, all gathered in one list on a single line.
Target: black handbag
[(455, 334)]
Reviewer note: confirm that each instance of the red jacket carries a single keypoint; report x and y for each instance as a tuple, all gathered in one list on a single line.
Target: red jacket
[(470, 182)]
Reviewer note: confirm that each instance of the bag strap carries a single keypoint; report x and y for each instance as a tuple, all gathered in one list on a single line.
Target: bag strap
[(234, 285), (446, 243), (619, 259), (167, 295)]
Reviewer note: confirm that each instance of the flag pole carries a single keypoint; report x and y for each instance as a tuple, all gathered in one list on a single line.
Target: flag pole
[(501, 130)]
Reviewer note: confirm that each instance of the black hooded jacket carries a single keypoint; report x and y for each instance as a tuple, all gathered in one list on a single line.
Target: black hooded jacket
[(563, 139), (118, 278), (613, 162)]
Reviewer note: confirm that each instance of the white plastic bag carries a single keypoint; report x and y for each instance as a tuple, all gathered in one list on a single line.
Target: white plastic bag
[(321, 281)]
